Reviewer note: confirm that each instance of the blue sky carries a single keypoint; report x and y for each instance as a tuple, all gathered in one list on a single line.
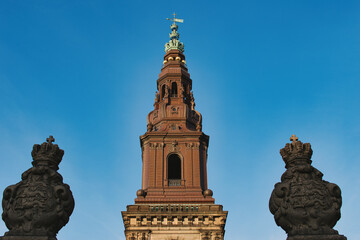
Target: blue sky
[(85, 72)]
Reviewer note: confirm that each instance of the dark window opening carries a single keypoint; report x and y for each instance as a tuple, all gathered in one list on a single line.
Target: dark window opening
[(163, 91), (174, 91), (174, 170)]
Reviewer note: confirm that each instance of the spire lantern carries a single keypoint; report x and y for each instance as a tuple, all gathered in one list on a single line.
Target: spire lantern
[(174, 43)]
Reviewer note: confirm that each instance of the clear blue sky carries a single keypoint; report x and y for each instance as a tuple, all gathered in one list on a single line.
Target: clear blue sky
[(86, 71)]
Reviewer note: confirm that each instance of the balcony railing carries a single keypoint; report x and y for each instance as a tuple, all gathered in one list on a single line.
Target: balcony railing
[(174, 182)]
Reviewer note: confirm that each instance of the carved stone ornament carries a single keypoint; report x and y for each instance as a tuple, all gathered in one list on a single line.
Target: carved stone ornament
[(137, 235), (149, 127), (167, 90), (157, 97), (174, 147), (205, 236), (155, 115), (174, 109), (303, 204), (40, 205), (192, 101)]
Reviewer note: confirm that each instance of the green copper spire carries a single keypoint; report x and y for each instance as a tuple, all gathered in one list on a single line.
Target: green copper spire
[(174, 42)]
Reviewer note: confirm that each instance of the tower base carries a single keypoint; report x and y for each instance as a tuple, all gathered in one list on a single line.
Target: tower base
[(174, 221)]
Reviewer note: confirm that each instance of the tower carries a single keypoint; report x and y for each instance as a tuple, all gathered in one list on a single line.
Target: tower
[(174, 201)]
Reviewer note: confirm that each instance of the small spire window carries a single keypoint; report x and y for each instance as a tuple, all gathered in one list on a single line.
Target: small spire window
[(174, 90), (163, 91)]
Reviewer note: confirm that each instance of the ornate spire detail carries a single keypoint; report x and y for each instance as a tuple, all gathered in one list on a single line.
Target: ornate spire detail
[(174, 43), (40, 204), (303, 204)]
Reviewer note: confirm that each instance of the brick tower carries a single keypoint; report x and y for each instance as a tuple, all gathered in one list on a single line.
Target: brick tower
[(174, 202)]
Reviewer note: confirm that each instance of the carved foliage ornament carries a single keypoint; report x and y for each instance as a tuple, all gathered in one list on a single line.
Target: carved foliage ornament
[(303, 204), (40, 204)]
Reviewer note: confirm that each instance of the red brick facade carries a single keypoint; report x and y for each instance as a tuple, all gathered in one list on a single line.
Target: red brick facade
[(174, 127)]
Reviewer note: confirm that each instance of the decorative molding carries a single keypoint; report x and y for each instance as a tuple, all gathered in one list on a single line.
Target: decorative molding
[(189, 145), (156, 145), (192, 145), (174, 219), (137, 235)]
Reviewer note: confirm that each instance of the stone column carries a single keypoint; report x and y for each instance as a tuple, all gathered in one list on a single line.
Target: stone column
[(39, 205), (146, 166), (152, 165), (159, 164), (188, 172), (303, 204)]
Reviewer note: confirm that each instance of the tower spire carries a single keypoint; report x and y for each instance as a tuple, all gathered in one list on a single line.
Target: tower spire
[(174, 201), (174, 42)]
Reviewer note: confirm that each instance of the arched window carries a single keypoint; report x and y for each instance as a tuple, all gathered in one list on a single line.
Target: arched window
[(174, 170), (163, 91), (174, 91)]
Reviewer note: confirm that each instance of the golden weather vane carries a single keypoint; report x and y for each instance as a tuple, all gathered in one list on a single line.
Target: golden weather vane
[(174, 19)]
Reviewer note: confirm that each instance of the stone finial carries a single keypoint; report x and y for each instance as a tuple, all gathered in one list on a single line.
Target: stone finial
[(296, 151), (50, 139), (40, 204), (294, 139), (47, 154), (303, 204)]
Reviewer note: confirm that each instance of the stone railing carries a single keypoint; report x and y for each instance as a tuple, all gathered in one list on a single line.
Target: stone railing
[(174, 182)]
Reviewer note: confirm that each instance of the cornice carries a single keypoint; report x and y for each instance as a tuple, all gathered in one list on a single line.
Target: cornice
[(162, 136)]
